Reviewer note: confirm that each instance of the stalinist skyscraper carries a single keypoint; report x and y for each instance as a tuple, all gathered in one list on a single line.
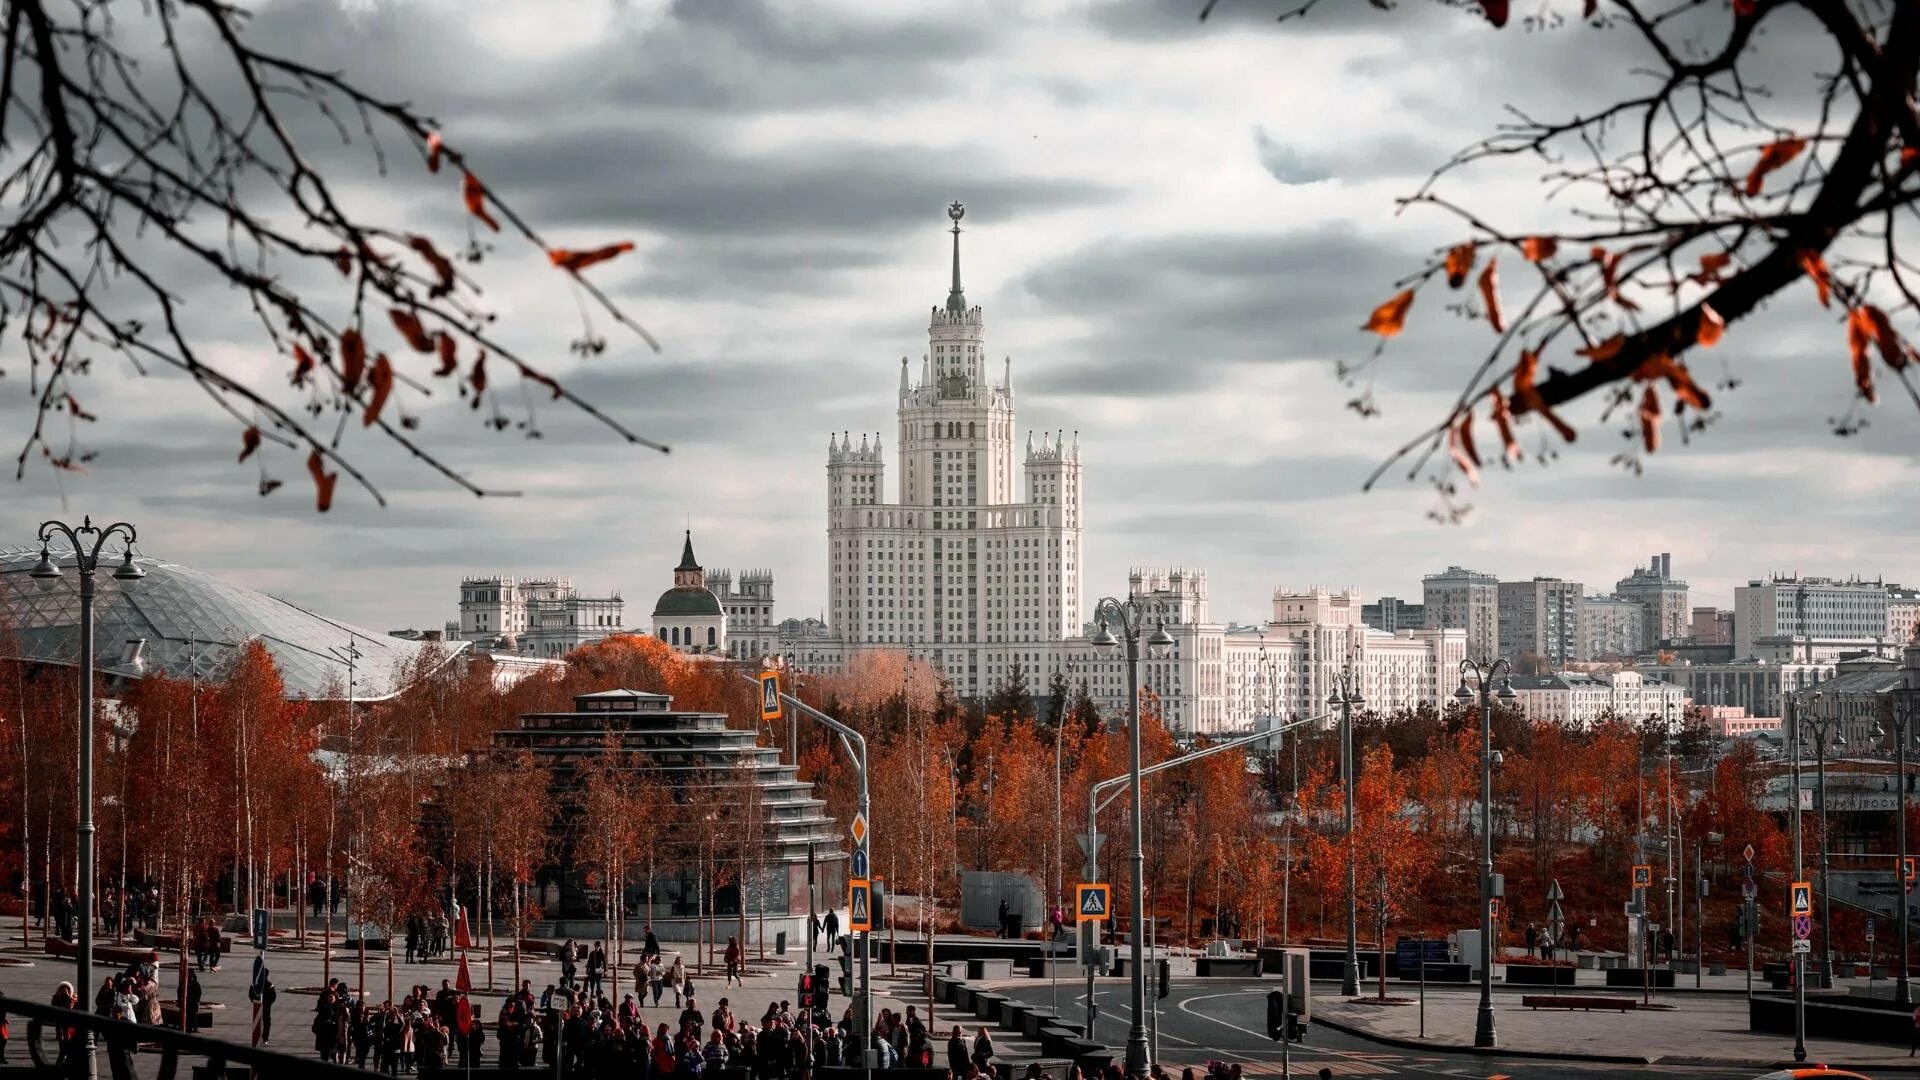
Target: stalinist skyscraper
[(961, 569)]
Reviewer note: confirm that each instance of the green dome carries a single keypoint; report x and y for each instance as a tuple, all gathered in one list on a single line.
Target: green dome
[(687, 600)]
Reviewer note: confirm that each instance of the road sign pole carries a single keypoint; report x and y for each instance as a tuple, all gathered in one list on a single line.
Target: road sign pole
[(1799, 967)]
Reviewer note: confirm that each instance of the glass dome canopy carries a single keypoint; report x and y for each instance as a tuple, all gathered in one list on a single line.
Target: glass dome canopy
[(191, 625)]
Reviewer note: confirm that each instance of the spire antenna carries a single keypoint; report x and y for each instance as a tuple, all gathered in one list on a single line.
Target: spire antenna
[(956, 300)]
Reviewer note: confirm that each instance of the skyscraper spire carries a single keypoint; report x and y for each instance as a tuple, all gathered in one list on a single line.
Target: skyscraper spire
[(956, 300)]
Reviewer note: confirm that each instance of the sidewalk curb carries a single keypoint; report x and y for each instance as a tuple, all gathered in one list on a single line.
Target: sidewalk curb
[(1611, 1059)]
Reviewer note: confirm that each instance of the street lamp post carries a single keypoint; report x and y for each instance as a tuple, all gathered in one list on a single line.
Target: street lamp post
[(1905, 706), (1799, 967), (1825, 729), (1344, 697), (1129, 616), (86, 559), (1485, 670)]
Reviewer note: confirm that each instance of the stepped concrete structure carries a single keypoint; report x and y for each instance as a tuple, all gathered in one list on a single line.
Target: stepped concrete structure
[(691, 754)]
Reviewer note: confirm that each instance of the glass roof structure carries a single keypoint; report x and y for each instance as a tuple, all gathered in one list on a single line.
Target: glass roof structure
[(190, 624)]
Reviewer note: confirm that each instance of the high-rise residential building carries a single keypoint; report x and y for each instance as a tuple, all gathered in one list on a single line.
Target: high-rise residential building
[(542, 616), (1610, 628), (1542, 617), (1903, 614), (1390, 613), (1814, 609), (1712, 626), (1661, 596), (1464, 599), (962, 568)]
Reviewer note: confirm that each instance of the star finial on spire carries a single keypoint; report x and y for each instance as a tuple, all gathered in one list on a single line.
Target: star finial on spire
[(956, 300)]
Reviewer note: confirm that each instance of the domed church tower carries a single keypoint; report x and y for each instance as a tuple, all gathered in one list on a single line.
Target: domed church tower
[(688, 616)]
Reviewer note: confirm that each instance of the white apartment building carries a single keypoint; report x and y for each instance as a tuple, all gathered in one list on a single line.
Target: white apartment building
[(544, 616), (1810, 607), (1903, 614), (752, 631), (1611, 628), (1468, 600), (1662, 598), (1542, 617), (1579, 700), (962, 568)]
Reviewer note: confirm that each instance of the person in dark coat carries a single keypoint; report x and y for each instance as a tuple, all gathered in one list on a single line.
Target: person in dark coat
[(958, 1057), (264, 995)]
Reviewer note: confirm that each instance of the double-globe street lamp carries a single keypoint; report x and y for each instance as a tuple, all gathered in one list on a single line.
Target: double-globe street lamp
[(87, 541), (1485, 670), (1344, 697), (1130, 618), (1824, 726)]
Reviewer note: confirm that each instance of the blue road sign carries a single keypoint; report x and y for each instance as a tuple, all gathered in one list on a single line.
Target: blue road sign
[(859, 869), (259, 976), (260, 928)]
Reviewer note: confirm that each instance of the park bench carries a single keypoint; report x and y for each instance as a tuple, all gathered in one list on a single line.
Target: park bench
[(1586, 1003)]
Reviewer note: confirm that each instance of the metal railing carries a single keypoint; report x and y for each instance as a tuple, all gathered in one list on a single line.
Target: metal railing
[(56, 1040)]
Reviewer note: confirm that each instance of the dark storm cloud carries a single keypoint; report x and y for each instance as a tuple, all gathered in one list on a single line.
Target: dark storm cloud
[(1169, 312)]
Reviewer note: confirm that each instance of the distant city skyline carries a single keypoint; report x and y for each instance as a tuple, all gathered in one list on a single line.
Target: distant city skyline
[(1176, 231)]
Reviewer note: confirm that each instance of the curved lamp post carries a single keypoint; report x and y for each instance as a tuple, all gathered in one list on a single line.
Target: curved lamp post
[(1129, 617), (86, 540), (1344, 697), (1485, 670), (1824, 727)]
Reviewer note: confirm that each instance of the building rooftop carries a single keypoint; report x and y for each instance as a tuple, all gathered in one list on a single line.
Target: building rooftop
[(192, 624)]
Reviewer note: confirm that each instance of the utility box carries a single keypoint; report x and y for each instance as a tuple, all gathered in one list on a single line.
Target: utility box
[(1296, 964)]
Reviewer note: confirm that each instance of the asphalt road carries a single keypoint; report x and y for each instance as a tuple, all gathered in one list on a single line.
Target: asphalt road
[(1226, 1020)]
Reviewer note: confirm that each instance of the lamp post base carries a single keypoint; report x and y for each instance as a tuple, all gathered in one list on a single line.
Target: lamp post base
[(1137, 1051), (1902, 993), (1483, 1037), (1350, 977)]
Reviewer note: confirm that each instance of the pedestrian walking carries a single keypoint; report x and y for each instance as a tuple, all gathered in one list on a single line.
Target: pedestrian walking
[(734, 957)]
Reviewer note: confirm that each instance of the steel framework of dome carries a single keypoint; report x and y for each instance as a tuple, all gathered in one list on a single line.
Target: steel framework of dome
[(191, 624)]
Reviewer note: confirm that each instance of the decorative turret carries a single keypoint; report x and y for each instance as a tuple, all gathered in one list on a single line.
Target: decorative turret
[(688, 573)]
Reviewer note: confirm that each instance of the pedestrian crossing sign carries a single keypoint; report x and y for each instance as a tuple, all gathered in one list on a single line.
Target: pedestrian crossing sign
[(769, 695), (1092, 903), (1642, 876), (1802, 903), (859, 905)]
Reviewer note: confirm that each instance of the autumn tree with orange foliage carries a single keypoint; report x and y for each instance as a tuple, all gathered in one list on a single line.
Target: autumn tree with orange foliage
[(1390, 852), (123, 180), (1690, 199)]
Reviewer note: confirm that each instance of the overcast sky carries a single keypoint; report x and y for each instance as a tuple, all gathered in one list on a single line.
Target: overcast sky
[(1175, 231)]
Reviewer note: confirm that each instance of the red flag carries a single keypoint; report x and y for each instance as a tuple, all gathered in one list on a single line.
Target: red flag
[(463, 1013), (461, 940), (463, 982)]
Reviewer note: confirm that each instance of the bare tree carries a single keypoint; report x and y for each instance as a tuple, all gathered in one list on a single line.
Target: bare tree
[(1692, 199), (151, 149)]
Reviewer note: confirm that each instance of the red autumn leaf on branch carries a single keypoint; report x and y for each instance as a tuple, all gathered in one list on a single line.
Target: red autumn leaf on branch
[(1490, 294), (1859, 332), (73, 406), (1712, 326), (1460, 445), (1678, 379), (249, 442), (433, 151), (303, 365), (547, 381), (478, 378), (1459, 264), (1391, 317), (1503, 421), (380, 382), (323, 481), (1650, 419), (1609, 263), (1524, 374), (409, 326), (1816, 268), (448, 361), (1710, 266), (343, 261), (353, 359), (577, 261), (475, 194), (1604, 350), (442, 266), (1893, 350), (1538, 248), (1496, 11), (1772, 156)]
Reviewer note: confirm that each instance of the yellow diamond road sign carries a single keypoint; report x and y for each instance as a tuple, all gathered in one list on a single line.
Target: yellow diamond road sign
[(858, 830)]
